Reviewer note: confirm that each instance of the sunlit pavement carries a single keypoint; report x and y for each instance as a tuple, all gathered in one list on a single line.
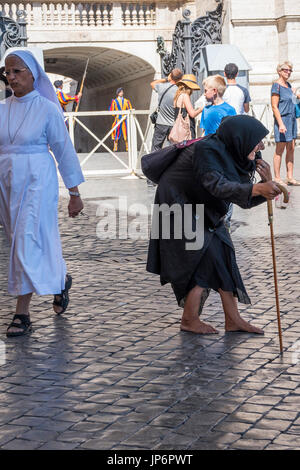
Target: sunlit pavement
[(115, 372)]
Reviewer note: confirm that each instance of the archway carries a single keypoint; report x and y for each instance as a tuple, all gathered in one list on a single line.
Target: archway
[(108, 69)]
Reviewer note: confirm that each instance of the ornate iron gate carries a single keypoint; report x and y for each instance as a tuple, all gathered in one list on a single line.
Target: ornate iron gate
[(12, 33), (189, 39)]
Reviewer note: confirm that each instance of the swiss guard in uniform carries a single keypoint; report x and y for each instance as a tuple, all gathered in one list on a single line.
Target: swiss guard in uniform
[(119, 104), (64, 98)]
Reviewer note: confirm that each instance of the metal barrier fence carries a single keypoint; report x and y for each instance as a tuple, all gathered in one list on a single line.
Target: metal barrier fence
[(263, 112), (136, 148), (134, 129)]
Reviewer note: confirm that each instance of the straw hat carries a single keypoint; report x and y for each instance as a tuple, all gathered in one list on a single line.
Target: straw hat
[(190, 81)]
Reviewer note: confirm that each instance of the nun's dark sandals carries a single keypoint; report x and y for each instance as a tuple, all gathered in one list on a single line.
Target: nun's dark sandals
[(24, 326), (62, 299)]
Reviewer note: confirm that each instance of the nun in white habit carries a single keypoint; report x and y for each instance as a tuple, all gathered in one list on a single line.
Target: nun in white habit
[(31, 123)]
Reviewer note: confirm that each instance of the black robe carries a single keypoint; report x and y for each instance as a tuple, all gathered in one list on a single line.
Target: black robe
[(183, 182)]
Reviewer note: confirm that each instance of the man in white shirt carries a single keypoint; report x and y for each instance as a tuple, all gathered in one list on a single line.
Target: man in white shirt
[(235, 94)]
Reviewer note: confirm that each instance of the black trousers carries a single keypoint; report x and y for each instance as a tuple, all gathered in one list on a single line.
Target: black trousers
[(161, 132)]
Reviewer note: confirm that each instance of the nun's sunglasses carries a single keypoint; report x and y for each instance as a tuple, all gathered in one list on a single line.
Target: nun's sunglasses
[(7, 73)]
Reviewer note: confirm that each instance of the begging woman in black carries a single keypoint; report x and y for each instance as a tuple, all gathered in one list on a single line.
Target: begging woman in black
[(214, 171)]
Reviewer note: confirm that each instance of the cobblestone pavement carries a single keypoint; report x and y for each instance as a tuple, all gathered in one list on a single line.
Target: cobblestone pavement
[(115, 372)]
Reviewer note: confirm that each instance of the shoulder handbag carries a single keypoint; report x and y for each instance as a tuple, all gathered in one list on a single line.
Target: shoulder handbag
[(297, 106), (181, 130), (154, 115)]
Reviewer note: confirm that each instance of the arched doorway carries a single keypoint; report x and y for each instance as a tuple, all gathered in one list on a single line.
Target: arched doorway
[(108, 69)]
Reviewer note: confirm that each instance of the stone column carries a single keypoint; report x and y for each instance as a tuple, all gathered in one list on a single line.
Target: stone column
[(187, 45), (163, 15), (37, 13), (288, 26)]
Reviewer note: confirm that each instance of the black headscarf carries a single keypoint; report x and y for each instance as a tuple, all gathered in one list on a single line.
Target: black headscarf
[(227, 150)]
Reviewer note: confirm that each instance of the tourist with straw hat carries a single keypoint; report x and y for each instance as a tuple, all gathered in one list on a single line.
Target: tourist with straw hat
[(182, 100)]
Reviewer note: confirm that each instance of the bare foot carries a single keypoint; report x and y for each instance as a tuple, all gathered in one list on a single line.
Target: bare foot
[(241, 325), (197, 326)]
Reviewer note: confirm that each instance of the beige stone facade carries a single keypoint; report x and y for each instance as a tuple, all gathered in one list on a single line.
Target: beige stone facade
[(203, 6), (120, 40), (267, 32), (118, 37)]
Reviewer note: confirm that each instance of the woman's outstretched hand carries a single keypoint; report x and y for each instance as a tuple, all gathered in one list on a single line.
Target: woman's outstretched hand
[(264, 170), (75, 206), (269, 190)]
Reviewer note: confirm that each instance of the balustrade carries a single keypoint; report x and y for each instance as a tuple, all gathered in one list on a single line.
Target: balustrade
[(82, 14), (138, 14), (64, 14)]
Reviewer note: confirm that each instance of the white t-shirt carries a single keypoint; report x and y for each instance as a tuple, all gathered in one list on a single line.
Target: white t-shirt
[(202, 101), (236, 95)]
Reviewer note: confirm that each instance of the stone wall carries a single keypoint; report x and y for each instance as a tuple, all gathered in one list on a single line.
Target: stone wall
[(203, 6), (266, 32)]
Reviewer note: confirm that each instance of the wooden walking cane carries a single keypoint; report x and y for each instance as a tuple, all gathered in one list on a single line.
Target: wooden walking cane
[(270, 216)]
